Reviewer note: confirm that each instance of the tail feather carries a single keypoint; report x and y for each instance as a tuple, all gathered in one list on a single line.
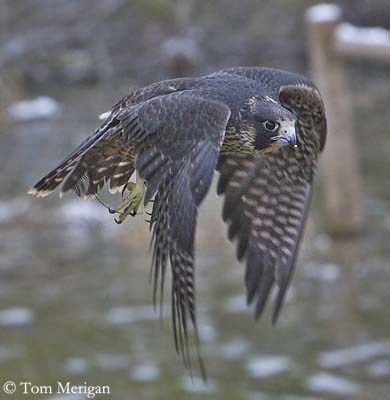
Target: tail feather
[(53, 179), (94, 170), (75, 177), (121, 174)]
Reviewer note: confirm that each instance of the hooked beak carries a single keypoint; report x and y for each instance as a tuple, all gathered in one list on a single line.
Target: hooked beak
[(288, 137)]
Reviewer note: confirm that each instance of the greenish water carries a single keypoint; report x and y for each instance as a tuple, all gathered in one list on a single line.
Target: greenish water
[(75, 302)]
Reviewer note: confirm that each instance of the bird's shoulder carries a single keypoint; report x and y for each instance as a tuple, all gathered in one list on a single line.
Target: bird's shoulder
[(155, 89)]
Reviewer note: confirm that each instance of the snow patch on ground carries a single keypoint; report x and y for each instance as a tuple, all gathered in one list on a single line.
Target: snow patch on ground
[(39, 108), (266, 366), (329, 383), (16, 316), (363, 352)]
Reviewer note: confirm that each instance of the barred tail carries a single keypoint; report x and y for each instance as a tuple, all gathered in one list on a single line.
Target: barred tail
[(53, 179)]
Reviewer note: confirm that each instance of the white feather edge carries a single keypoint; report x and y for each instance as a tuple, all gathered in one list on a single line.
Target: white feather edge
[(104, 115), (116, 189), (39, 193)]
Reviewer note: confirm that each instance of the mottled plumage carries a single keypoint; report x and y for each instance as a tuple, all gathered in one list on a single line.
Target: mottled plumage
[(175, 134)]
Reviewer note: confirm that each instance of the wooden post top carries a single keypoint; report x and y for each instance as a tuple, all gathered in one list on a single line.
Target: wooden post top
[(322, 21), (326, 28), (323, 14)]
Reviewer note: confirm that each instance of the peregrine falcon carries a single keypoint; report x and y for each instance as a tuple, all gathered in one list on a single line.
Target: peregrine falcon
[(262, 129)]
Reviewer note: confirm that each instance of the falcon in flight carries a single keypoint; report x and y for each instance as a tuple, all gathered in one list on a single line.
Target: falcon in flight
[(262, 129)]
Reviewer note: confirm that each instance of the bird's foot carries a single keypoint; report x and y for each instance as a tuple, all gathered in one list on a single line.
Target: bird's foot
[(131, 203)]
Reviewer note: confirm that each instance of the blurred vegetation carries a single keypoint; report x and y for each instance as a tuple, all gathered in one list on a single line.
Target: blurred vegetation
[(47, 42)]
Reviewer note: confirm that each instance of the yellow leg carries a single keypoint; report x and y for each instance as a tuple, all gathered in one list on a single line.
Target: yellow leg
[(130, 204)]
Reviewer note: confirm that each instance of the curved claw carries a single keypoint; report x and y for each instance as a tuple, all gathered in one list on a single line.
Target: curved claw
[(130, 203), (129, 186)]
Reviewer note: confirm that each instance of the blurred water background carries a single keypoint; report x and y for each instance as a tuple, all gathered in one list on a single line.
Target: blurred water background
[(75, 302)]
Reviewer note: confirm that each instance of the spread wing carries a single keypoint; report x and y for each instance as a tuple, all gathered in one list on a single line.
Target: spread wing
[(177, 138), (267, 196), (103, 157)]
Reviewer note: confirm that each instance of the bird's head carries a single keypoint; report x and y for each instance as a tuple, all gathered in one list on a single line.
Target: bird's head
[(271, 125)]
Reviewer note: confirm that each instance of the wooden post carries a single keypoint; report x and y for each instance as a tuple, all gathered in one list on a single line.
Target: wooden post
[(340, 167)]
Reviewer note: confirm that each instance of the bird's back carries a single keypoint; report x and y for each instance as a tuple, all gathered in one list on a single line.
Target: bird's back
[(232, 90)]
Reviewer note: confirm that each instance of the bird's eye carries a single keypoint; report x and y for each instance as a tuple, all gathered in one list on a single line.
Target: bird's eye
[(271, 126)]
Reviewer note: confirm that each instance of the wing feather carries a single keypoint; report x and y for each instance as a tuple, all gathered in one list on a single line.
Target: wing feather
[(177, 138), (267, 196)]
